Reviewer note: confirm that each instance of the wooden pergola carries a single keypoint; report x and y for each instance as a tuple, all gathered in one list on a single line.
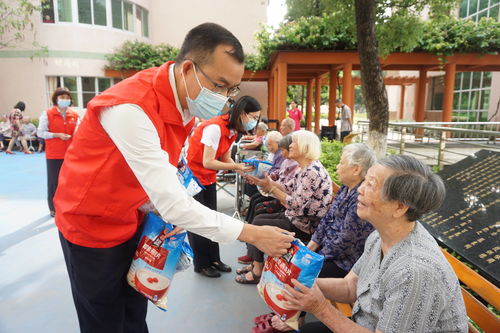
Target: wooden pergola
[(315, 69)]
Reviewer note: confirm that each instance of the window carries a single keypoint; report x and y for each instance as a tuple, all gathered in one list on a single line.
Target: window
[(48, 11), (82, 89), (117, 13), (476, 9), (124, 15), (128, 19), (64, 10)]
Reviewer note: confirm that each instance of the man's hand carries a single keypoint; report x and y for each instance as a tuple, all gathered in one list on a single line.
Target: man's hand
[(244, 167), (175, 231), (306, 299), (273, 241)]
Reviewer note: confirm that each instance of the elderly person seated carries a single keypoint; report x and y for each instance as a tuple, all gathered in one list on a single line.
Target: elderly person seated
[(287, 126), (306, 198), (402, 282)]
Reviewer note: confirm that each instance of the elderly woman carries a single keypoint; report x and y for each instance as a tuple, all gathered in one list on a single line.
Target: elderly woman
[(402, 282), (306, 198)]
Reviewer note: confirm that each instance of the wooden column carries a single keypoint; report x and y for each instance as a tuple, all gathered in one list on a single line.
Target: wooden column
[(420, 96), (449, 86), (402, 102), (317, 106), (347, 88), (332, 96), (270, 98), (309, 104), (282, 85)]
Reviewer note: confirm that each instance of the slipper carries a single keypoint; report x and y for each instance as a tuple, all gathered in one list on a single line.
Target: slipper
[(243, 280), (244, 270)]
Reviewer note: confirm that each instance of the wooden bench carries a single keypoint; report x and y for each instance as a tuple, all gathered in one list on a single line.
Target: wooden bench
[(477, 311)]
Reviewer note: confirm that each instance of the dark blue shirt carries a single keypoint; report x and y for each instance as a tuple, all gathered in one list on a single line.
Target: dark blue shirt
[(341, 234)]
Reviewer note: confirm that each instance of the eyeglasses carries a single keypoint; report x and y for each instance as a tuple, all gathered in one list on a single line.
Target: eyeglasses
[(218, 88)]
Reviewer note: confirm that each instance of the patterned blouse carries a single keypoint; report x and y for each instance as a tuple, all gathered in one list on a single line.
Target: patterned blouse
[(341, 234), (309, 197)]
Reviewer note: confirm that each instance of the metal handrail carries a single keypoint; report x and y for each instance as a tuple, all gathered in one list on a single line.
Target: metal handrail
[(443, 135)]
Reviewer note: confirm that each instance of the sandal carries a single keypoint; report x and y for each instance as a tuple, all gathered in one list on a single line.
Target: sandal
[(244, 270), (264, 327), (264, 317), (243, 280)]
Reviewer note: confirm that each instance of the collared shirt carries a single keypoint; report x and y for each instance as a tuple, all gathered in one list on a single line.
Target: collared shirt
[(309, 197), (411, 289), (136, 138), (43, 125), (341, 234)]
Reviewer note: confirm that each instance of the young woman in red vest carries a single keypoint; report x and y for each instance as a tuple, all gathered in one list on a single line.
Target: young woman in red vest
[(56, 126), (210, 150)]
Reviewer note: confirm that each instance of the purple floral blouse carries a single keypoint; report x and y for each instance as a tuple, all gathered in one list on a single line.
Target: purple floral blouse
[(341, 234), (309, 197)]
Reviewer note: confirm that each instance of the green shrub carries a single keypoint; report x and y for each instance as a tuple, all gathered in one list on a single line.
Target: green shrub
[(330, 157), (139, 55)]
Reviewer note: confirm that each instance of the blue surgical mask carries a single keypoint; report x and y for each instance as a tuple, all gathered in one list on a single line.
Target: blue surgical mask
[(63, 103), (207, 104), (250, 125)]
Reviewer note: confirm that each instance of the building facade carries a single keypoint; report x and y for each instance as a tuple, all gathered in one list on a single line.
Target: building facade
[(78, 34)]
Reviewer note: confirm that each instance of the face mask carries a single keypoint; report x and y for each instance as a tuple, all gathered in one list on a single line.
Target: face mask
[(250, 125), (207, 104), (63, 103)]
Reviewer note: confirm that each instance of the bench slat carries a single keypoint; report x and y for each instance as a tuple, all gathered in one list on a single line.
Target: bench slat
[(480, 313)]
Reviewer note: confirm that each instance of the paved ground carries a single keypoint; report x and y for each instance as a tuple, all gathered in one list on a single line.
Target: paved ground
[(34, 287)]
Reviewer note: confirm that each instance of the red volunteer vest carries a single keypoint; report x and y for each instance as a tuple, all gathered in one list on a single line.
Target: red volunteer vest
[(98, 194), (195, 151), (56, 148)]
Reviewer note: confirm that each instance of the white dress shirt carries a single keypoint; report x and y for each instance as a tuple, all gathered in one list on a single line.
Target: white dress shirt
[(136, 138)]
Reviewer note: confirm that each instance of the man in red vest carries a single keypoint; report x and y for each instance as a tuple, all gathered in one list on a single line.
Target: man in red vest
[(123, 156)]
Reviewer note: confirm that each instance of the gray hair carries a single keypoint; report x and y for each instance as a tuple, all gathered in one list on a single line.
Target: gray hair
[(274, 136), (288, 122), (360, 154), (285, 142), (413, 184), (262, 126)]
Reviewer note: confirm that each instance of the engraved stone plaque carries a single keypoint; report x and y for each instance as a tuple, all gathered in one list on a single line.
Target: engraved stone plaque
[(469, 220)]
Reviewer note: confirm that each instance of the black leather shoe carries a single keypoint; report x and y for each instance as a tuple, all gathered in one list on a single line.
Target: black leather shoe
[(208, 272), (220, 266)]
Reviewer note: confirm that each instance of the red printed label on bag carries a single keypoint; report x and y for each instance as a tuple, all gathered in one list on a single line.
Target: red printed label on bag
[(152, 253)]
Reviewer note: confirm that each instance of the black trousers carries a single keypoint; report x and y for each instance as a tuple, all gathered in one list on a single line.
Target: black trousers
[(278, 220), (104, 301), (343, 134), (254, 200), (205, 251), (53, 168)]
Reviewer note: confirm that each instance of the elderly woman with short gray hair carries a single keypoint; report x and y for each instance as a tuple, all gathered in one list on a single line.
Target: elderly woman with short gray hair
[(402, 282)]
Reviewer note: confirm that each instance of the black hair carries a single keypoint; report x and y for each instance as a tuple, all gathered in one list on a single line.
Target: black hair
[(245, 104), (201, 41), (20, 105), (61, 91)]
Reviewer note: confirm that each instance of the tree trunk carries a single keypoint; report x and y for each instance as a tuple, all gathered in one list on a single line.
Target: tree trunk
[(375, 95)]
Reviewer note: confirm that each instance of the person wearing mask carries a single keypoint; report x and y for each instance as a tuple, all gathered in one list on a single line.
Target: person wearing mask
[(57, 126), (123, 155), (295, 114), (209, 151)]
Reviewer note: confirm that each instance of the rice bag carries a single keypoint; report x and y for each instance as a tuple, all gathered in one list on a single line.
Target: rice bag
[(188, 179), (157, 259), (260, 167), (298, 263)]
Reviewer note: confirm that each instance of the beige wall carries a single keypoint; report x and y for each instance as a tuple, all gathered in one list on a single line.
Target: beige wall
[(171, 20), (257, 90)]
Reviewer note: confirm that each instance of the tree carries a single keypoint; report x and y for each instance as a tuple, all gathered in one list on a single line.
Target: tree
[(381, 27), (15, 21)]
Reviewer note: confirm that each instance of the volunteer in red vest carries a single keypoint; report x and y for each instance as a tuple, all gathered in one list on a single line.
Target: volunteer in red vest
[(123, 156), (57, 126), (210, 150)]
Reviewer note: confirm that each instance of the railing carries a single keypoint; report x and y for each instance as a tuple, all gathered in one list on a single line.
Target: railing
[(433, 139)]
